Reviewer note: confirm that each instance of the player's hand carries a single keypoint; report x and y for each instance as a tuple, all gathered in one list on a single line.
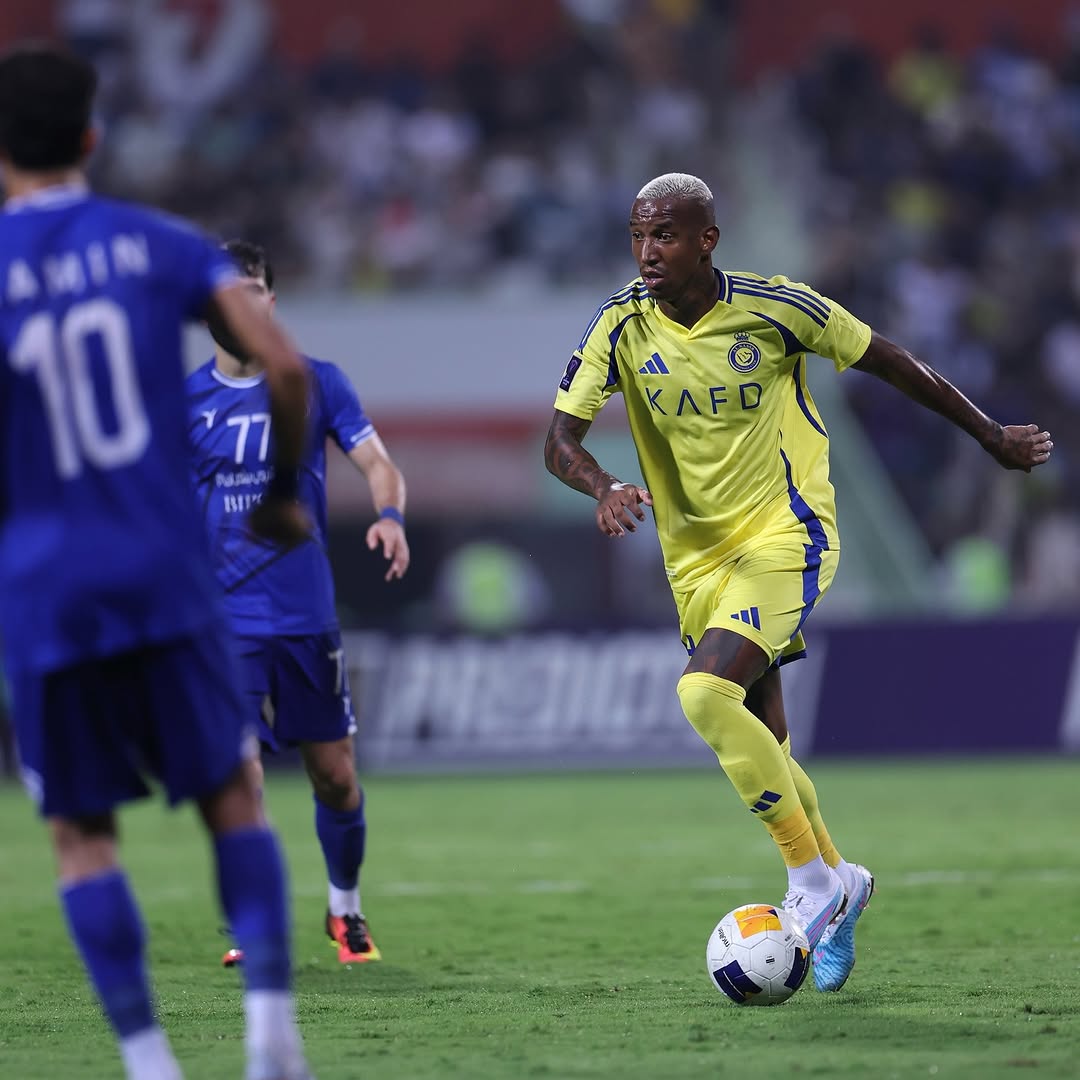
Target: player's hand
[(618, 506), (395, 547), (281, 521), (1022, 446)]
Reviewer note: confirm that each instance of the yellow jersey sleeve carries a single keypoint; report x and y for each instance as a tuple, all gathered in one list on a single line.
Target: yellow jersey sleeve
[(819, 324), (591, 376)]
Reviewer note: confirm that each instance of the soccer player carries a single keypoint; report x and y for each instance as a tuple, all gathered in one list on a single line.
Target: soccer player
[(112, 626), (734, 455), (281, 602)]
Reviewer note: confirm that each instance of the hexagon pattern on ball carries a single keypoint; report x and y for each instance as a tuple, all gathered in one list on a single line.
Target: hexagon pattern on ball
[(757, 955)]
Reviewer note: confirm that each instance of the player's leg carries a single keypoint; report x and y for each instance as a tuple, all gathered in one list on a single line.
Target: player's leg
[(342, 832), (313, 709), (106, 926), (254, 667), (66, 730), (765, 699), (834, 956), (254, 897), (203, 751), (763, 598)]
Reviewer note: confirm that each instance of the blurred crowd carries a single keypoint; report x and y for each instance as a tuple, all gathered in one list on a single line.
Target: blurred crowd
[(948, 215), (938, 197), (387, 175)]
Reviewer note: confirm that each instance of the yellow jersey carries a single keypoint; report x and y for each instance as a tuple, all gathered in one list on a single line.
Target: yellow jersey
[(729, 440)]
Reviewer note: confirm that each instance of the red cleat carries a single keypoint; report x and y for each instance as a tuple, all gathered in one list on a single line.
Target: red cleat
[(353, 939), (232, 958)]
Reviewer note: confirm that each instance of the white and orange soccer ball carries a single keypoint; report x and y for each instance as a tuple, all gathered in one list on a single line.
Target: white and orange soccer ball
[(757, 955)]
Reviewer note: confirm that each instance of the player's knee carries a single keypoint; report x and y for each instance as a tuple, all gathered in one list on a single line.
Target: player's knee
[(84, 847), (336, 786), (710, 704)]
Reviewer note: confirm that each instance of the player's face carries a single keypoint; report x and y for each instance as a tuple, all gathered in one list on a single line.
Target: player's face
[(671, 242), (258, 289), (262, 295)]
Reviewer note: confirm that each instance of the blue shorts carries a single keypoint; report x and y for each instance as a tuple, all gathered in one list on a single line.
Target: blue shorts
[(296, 688), (91, 735)]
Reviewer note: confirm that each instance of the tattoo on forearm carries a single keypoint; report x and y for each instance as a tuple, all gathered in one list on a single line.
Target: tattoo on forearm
[(567, 459)]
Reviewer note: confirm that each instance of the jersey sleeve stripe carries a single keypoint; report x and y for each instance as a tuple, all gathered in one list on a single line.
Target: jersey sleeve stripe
[(613, 337), (615, 298), (800, 397), (725, 287), (761, 294), (634, 291), (805, 296), (792, 345), (361, 436)]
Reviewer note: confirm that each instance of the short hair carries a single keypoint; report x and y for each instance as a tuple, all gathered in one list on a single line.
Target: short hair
[(678, 185), (251, 258), (46, 101)]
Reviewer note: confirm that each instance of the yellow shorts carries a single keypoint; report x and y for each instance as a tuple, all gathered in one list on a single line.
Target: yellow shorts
[(765, 595)]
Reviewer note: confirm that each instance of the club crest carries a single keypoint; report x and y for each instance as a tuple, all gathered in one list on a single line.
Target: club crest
[(744, 355)]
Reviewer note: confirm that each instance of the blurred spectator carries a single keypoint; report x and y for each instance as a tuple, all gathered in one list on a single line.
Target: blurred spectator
[(937, 196)]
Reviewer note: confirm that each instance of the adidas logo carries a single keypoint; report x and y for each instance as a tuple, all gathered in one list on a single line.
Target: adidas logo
[(654, 366), (766, 801), (749, 616)]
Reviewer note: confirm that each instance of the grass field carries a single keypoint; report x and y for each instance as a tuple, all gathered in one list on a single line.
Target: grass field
[(554, 926)]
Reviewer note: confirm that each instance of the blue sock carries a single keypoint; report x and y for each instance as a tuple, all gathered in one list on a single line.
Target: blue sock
[(105, 925), (341, 834), (253, 890)]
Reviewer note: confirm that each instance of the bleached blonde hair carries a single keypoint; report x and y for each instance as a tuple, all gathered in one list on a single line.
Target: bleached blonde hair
[(678, 185)]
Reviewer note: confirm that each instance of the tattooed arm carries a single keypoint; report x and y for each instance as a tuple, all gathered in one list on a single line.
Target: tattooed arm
[(617, 503)]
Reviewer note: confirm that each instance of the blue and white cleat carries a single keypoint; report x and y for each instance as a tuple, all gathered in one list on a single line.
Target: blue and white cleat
[(814, 911), (834, 956)]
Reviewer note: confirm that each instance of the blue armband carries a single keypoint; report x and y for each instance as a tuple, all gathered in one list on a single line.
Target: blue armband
[(394, 514)]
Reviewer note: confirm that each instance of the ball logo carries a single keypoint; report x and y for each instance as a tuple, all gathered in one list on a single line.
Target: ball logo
[(744, 355), (757, 918)]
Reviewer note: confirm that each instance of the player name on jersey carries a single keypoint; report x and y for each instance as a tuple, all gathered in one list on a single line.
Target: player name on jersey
[(71, 273)]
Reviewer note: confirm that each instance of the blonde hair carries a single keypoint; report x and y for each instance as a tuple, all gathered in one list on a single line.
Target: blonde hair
[(678, 185)]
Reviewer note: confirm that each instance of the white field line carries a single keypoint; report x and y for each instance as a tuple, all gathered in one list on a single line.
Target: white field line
[(372, 886), (912, 880)]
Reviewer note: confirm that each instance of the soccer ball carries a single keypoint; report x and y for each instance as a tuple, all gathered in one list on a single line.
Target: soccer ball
[(757, 955)]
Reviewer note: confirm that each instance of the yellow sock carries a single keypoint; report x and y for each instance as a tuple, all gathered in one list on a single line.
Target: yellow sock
[(808, 797), (752, 760)]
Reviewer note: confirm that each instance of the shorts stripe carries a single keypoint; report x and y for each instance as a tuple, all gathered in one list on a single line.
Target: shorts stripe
[(818, 542)]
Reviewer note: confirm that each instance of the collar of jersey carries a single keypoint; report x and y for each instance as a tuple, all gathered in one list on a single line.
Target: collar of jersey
[(48, 198), (237, 384), (689, 331)]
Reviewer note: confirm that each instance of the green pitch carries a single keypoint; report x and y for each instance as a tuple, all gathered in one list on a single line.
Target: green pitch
[(554, 926)]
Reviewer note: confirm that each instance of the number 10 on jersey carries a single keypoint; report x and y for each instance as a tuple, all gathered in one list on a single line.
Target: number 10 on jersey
[(56, 350)]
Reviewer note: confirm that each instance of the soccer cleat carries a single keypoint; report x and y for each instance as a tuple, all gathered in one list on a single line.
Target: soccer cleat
[(353, 939), (834, 956), (814, 911), (232, 958)]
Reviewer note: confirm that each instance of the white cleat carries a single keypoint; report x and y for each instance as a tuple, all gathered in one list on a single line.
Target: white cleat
[(834, 956), (814, 911)]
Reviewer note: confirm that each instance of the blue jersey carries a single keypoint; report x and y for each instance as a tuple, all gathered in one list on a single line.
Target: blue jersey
[(101, 546), (268, 592)]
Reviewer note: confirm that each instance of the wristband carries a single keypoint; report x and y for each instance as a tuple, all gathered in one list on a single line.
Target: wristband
[(284, 484), (394, 514)]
